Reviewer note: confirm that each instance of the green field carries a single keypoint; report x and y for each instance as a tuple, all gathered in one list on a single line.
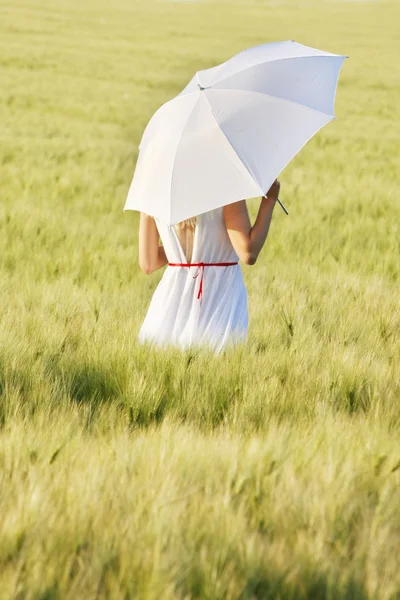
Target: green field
[(271, 471)]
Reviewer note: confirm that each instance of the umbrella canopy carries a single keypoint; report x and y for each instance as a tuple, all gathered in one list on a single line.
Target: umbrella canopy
[(232, 130)]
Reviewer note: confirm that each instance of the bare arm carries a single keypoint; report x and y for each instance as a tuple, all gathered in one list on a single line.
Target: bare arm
[(151, 254), (247, 240)]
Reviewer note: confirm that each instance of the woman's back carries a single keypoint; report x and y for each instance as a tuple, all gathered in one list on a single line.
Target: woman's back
[(185, 232), (202, 304)]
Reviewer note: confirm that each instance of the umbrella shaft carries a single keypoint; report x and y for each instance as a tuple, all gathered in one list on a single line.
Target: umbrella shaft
[(282, 206)]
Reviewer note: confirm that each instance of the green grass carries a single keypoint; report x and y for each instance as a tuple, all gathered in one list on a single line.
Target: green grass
[(271, 471)]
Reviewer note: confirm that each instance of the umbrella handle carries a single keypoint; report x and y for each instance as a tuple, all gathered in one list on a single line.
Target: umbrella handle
[(282, 206)]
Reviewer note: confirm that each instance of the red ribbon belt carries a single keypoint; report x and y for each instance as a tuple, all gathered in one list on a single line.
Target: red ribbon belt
[(202, 265)]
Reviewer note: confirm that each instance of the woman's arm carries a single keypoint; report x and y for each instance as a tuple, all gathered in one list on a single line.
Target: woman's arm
[(151, 254), (247, 240)]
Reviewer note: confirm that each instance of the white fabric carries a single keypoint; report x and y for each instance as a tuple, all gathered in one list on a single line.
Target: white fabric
[(175, 315), (232, 130)]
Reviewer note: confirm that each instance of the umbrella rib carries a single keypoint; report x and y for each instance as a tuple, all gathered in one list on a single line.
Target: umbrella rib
[(212, 89)]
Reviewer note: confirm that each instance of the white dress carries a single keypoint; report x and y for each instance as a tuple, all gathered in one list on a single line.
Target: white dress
[(176, 315)]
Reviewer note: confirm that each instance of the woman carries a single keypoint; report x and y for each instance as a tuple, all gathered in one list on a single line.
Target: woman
[(201, 299)]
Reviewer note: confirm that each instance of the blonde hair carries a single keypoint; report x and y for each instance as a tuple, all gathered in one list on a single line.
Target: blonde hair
[(193, 220), (187, 223)]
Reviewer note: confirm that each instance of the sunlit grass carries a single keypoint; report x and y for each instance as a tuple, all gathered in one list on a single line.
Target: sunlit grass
[(271, 471)]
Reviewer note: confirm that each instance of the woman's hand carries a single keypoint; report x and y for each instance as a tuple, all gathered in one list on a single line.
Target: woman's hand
[(273, 192)]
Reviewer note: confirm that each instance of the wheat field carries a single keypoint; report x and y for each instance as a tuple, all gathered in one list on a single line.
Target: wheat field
[(269, 472)]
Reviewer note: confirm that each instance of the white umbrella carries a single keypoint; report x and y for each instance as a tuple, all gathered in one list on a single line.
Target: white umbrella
[(232, 130)]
